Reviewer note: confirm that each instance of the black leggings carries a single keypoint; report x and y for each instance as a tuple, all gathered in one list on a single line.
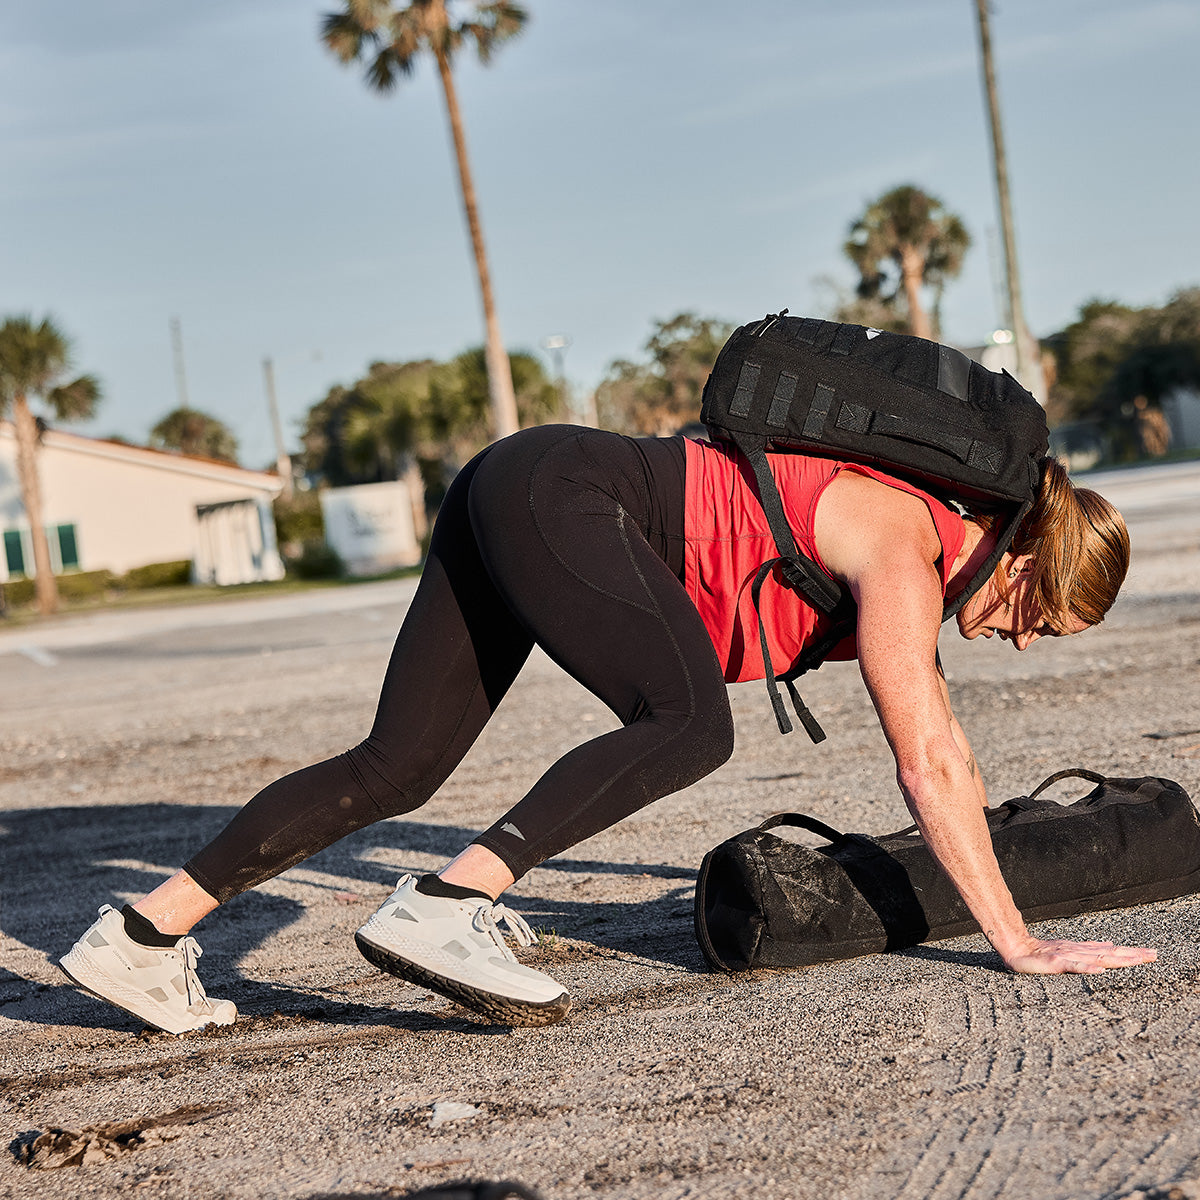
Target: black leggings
[(555, 536)]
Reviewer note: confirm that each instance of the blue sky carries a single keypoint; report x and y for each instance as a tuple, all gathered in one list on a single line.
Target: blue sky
[(634, 158)]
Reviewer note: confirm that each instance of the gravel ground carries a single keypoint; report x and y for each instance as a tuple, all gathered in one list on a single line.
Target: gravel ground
[(128, 739)]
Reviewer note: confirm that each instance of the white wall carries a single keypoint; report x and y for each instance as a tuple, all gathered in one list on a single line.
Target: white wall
[(129, 506), (371, 527), (1183, 414)]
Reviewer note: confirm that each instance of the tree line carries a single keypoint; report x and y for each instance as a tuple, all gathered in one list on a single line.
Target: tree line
[(419, 421)]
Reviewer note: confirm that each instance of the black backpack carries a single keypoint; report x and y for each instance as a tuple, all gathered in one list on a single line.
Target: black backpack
[(920, 411)]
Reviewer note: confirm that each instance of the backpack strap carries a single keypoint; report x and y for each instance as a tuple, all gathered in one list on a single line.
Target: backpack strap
[(800, 572), (1003, 541), (811, 725)]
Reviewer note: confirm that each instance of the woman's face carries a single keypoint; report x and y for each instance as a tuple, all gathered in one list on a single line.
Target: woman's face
[(1017, 619)]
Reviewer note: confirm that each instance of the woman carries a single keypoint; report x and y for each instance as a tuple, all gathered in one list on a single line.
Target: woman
[(627, 561)]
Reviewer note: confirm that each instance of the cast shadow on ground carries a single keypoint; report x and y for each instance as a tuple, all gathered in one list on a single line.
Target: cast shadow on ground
[(58, 865), (987, 960)]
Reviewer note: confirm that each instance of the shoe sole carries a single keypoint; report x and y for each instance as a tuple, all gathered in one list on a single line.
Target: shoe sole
[(502, 1009), (80, 972)]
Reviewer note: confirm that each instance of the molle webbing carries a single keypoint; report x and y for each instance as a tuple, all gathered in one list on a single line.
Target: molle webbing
[(923, 412)]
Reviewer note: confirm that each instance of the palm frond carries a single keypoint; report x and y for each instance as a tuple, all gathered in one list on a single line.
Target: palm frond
[(392, 38), (372, 15), (345, 37), (387, 68), (77, 400), (33, 354), (494, 23), (407, 31), (505, 18)]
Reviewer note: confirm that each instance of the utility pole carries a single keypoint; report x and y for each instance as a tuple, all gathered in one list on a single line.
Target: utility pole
[(1029, 366), (181, 391), (283, 462)]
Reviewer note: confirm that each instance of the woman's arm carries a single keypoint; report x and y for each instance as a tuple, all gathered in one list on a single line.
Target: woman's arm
[(882, 543), (960, 740)]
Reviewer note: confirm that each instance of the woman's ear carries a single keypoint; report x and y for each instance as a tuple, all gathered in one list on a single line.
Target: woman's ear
[(1020, 564)]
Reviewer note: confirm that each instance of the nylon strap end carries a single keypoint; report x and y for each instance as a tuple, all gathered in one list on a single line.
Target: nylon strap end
[(811, 725), (781, 717)]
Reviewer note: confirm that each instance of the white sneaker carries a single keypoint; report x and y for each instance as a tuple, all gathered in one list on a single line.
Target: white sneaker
[(159, 985), (454, 947)]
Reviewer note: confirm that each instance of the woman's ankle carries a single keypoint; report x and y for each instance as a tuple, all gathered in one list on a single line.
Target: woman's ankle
[(479, 870), (176, 905)]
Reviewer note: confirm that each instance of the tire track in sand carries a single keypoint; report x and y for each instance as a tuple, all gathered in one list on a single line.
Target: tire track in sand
[(976, 1148)]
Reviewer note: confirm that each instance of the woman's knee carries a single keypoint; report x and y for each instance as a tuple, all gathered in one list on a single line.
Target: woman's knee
[(395, 784), (714, 737), (700, 736)]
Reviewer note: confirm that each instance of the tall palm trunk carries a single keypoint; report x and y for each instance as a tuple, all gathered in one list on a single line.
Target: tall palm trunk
[(1029, 358), (26, 429), (500, 385), (912, 269)]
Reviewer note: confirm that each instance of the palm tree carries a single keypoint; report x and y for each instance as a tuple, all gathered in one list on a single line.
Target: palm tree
[(33, 360), (190, 431), (908, 230), (389, 40)]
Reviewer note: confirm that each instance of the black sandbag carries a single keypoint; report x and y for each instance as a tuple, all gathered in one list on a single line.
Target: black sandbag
[(764, 901)]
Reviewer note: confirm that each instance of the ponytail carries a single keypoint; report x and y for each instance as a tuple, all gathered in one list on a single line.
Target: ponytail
[(1079, 547)]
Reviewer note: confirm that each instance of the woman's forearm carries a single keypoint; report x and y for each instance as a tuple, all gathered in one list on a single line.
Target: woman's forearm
[(964, 746), (945, 805)]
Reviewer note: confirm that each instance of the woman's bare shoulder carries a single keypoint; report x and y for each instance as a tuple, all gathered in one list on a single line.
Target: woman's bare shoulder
[(862, 521)]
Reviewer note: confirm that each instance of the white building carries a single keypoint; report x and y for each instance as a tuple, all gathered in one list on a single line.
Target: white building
[(109, 506), (371, 527)]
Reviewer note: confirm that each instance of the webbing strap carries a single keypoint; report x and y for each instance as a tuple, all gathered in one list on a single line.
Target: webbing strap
[(1069, 773), (983, 574), (802, 821), (801, 573), (811, 726)]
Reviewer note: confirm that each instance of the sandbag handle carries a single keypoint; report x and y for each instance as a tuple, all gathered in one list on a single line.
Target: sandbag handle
[(1068, 773), (802, 821)]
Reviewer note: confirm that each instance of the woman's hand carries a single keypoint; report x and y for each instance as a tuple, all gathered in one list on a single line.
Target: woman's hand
[(1060, 957)]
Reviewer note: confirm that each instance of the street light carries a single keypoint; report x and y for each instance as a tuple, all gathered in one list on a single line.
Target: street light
[(557, 345), (283, 462)]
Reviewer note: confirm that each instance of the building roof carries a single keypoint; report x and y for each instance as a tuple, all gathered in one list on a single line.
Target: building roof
[(144, 456)]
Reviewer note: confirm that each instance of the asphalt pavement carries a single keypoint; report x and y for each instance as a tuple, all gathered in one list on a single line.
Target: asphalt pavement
[(128, 738)]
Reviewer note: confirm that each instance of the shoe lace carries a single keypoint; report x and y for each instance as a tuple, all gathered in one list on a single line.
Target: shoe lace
[(488, 919), (196, 994)]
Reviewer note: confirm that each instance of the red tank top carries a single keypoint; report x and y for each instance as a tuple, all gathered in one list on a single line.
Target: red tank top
[(727, 539)]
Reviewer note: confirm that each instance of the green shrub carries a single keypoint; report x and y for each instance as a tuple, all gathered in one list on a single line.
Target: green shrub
[(80, 585), (316, 560), (156, 575), (77, 585), (298, 521), (18, 592)]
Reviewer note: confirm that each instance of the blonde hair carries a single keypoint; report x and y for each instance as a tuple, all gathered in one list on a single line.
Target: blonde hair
[(1079, 547)]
